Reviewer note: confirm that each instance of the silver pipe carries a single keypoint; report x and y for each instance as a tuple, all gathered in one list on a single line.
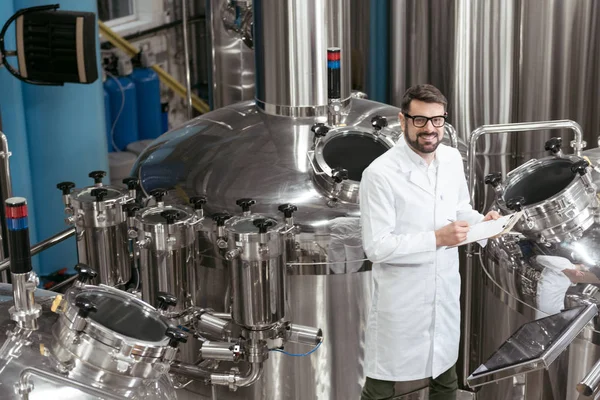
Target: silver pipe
[(232, 378), (212, 324), (304, 334), (189, 370), (213, 391), (221, 351), (451, 132), (221, 315), (63, 283), (43, 245), (27, 373), (590, 383), (6, 191), (518, 127), (186, 52)]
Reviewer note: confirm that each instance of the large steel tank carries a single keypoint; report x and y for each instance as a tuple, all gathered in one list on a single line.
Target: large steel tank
[(293, 145), (550, 263)]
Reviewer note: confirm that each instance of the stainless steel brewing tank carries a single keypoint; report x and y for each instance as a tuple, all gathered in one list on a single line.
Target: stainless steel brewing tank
[(239, 152), (552, 263), (256, 250), (166, 239), (101, 227)]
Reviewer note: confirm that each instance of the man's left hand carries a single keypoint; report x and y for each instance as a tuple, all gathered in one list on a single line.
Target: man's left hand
[(491, 215)]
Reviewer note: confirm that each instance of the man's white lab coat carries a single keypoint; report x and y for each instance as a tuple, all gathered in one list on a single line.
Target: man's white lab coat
[(413, 328)]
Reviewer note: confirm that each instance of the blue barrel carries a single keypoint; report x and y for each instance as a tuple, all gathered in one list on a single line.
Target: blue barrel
[(148, 103), (108, 119), (123, 110)]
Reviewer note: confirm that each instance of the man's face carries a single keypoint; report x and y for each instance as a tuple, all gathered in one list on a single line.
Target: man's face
[(426, 139)]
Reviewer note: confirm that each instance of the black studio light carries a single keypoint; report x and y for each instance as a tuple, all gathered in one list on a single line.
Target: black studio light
[(53, 47)]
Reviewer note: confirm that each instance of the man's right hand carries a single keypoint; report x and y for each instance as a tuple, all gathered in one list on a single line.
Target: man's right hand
[(452, 234)]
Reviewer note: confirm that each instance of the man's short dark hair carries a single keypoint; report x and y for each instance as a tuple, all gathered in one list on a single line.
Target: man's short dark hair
[(426, 93)]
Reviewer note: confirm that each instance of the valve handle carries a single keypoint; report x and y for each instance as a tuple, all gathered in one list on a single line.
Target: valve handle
[(85, 273), (245, 203), (171, 216), (65, 187), (131, 208), (97, 176), (580, 167), (99, 193), (158, 194), (165, 300), (287, 209), (198, 202), (176, 335), (220, 218), (516, 203), (320, 129), (379, 122), (554, 144), (263, 224), (494, 179), (85, 306), (131, 182), (339, 174)]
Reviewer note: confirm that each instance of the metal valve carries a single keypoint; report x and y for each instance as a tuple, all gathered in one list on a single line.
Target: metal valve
[(85, 274), (170, 215), (65, 187), (263, 225), (378, 122), (85, 306), (158, 195), (133, 185), (220, 218), (97, 176), (287, 209), (99, 194), (554, 145), (131, 208), (516, 203), (339, 174), (320, 130), (494, 179), (245, 204), (176, 336), (165, 300), (580, 167), (198, 202)]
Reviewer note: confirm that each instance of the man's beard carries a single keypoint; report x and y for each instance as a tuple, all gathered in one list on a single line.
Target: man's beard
[(423, 148)]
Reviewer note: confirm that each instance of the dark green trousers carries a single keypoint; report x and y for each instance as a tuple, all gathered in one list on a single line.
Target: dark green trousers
[(441, 388)]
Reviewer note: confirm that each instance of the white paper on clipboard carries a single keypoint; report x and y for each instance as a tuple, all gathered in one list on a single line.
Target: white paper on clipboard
[(488, 229)]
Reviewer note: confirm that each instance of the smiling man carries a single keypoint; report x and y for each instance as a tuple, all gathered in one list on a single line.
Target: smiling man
[(407, 198)]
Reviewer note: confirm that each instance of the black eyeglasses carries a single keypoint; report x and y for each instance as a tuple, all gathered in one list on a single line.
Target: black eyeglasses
[(419, 121)]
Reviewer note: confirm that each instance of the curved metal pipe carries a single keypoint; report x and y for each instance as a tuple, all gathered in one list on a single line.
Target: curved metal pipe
[(43, 245), (253, 375), (451, 132), (578, 145), (186, 56), (25, 388), (190, 371), (591, 382)]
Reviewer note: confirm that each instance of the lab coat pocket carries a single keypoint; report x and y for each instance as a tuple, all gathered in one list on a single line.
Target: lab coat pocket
[(401, 292)]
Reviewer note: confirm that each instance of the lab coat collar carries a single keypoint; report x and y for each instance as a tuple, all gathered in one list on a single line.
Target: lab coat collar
[(408, 161)]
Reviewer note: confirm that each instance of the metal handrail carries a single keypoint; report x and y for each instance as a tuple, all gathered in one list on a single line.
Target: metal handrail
[(43, 245)]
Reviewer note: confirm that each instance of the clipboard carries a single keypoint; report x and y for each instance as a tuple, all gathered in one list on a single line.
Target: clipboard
[(488, 229)]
